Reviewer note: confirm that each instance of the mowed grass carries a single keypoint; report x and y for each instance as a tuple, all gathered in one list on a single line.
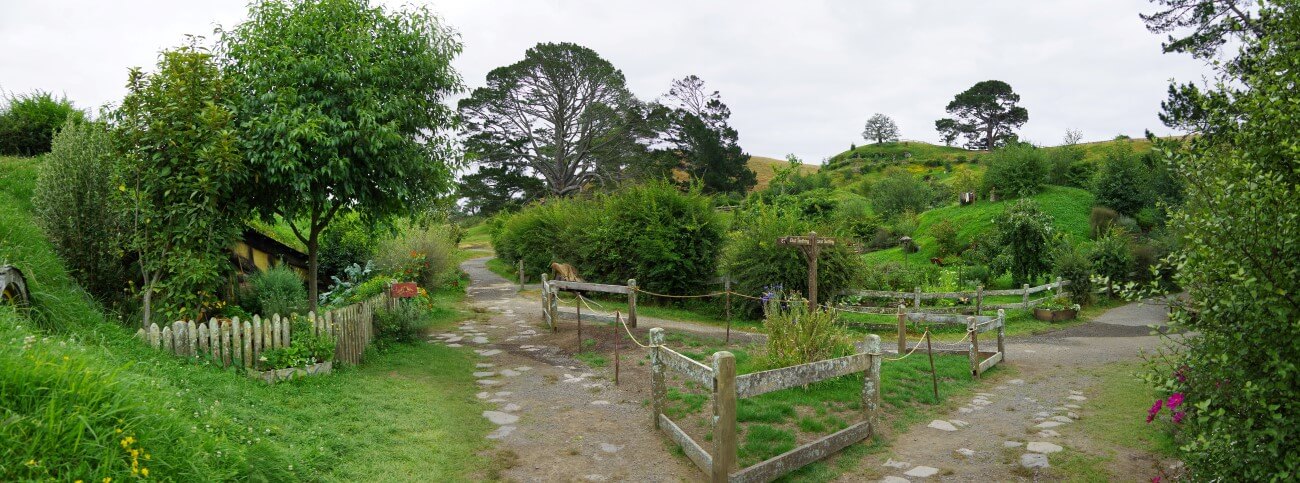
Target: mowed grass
[(765, 169), (78, 392)]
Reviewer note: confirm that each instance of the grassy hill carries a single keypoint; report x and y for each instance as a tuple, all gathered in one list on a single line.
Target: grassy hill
[(766, 168)]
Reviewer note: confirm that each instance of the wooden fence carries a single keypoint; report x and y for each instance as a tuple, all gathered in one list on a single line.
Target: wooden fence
[(975, 297), (727, 387), (980, 361), (236, 343), (551, 305)]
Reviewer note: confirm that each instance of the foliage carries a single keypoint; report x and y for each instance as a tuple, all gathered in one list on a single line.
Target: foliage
[(346, 242), (362, 127), (754, 261), (495, 188), (563, 112), (1121, 183), (945, 237), (277, 290), (1072, 263), (353, 276), (304, 349), (403, 324), (986, 114), (881, 129), (28, 122), (1024, 232), (899, 277), (1111, 258), (423, 254), (797, 335), (1015, 171), (1101, 219), (183, 175), (1064, 166), (700, 137), (898, 192), (77, 206), (543, 233)]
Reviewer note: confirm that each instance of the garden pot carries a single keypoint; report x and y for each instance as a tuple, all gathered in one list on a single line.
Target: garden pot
[(1056, 315), (277, 375)]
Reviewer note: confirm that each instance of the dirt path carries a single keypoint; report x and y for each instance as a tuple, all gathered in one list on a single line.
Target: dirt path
[(1006, 431)]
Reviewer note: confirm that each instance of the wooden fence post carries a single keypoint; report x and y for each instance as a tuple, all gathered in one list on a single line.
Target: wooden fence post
[(916, 298), (974, 346), (1057, 289), (871, 382), (658, 392), (577, 305), (902, 331), (631, 303), (1024, 302), (979, 299), (724, 415), (618, 340), (1002, 333), (726, 288)]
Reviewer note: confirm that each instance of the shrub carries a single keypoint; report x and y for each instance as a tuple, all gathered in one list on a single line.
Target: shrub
[(1015, 171), (425, 255), (899, 276), (544, 233), (945, 238), (1101, 220), (1023, 231), (1073, 264), (754, 261), (898, 192), (797, 335), (403, 324), (277, 290), (28, 122), (977, 274), (77, 206), (305, 348), (1122, 183), (1061, 165), (347, 241), (854, 218), (1112, 259)]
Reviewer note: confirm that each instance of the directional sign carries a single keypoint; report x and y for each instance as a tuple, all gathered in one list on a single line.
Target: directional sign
[(811, 246)]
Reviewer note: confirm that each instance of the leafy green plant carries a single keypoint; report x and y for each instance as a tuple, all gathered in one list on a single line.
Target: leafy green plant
[(304, 349), (276, 291), (1074, 264), (945, 238), (1112, 259), (1023, 232), (797, 335), (28, 122), (1017, 170), (421, 254), (403, 324)]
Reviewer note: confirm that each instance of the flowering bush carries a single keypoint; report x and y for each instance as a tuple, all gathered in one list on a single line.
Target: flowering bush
[(797, 335)]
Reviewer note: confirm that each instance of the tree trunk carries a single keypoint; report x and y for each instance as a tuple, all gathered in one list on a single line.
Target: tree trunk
[(148, 305), (313, 263)]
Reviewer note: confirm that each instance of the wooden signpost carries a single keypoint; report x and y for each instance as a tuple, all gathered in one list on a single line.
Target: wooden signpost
[(811, 246)]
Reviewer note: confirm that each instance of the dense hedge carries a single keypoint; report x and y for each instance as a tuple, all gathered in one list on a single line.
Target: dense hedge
[(668, 240)]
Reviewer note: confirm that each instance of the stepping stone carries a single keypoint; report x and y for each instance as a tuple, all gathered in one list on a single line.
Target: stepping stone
[(510, 408), (1076, 393), (454, 345), (981, 402), (610, 448), (600, 402), (480, 340), (1012, 444), (967, 452), (984, 394), (484, 374), (488, 352), (896, 464), (942, 425), (1073, 406), (964, 410), (595, 478), (1034, 460), (1062, 419), (922, 472), (895, 479), (1072, 415), (1042, 414), (1077, 397), (499, 418), (501, 432), (510, 372), (523, 368), (488, 382), (1016, 382), (496, 400), (959, 423), (1042, 447), (504, 393), (455, 338), (1048, 433), (1047, 424), (1030, 351), (484, 365), (483, 395)]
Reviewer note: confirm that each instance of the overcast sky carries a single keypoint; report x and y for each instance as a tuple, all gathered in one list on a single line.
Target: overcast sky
[(800, 76)]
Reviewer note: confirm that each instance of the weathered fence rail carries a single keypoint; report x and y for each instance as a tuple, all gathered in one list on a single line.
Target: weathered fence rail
[(727, 387), (975, 298), (239, 343), (551, 305)]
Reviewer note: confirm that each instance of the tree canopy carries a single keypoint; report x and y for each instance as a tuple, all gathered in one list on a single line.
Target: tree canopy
[(881, 129), (700, 137), (341, 108), (986, 115)]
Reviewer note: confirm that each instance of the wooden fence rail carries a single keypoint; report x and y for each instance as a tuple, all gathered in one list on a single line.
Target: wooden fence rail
[(727, 387), (240, 343), (975, 297)]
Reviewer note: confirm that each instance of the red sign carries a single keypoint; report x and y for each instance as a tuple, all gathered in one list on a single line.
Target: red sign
[(405, 290)]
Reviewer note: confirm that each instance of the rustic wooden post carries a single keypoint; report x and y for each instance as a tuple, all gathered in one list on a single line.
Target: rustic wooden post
[(916, 298), (237, 342), (554, 307), (979, 299), (902, 330), (658, 393), (618, 339), (814, 252), (577, 304), (1056, 291), (521, 275), (1024, 301), (934, 376), (724, 415), (726, 288), (974, 346), (167, 340), (631, 303), (1002, 333), (871, 381), (248, 345)]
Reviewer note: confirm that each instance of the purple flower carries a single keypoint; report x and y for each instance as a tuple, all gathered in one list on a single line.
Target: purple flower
[(1155, 409), (1178, 417), (1181, 374), (1174, 400)]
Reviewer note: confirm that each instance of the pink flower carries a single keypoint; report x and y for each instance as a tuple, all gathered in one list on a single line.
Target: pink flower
[(1174, 400), (1155, 479), (1155, 409), (1181, 374), (1178, 417)]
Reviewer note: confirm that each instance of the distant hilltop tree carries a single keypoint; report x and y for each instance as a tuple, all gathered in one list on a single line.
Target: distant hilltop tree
[(881, 129), (986, 115)]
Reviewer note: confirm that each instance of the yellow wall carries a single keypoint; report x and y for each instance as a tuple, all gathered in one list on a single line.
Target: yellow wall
[(262, 260)]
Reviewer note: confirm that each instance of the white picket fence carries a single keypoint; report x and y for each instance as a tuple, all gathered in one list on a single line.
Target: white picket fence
[(232, 342)]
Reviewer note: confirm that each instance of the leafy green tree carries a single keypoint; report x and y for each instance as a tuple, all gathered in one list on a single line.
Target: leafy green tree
[(701, 138), (77, 205), (183, 174), (1016, 170), (1112, 258), (986, 114), (28, 122), (1240, 237), (1024, 232), (881, 129), (1071, 262), (563, 112), (342, 108), (1122, 182), (945, 238), (899, 191), (495, 188)]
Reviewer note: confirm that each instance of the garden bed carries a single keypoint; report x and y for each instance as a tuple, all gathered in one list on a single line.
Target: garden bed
[(279, 375)]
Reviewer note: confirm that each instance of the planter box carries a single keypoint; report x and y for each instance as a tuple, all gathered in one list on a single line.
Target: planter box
[(277, 375), (1055, 315)]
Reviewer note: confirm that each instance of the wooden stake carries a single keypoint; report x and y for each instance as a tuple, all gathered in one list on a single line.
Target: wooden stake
[(726, 286), (658, 390), (724, 416), (577, 304), (902, 331), (618, 337), (934, 377)]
